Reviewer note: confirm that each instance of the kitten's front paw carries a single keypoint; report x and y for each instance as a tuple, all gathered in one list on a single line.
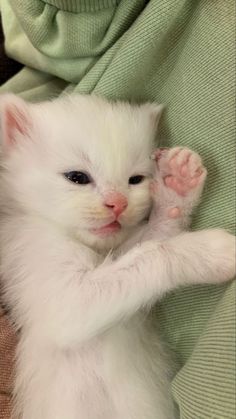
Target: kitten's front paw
[(181, 169), (221, 253), (179, 179)]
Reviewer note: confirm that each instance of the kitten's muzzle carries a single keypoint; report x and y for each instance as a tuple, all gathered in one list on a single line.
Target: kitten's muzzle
[(116, 202)]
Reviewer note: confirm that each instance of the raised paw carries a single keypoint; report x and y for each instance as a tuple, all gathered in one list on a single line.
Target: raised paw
[(181, 169), (178, 181)]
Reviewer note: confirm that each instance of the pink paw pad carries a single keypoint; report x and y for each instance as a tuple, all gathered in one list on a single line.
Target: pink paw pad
[(185, 171), (174, 212)]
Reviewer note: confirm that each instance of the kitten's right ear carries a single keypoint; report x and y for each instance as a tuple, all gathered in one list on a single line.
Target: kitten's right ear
[(154, 111), (15, 119)]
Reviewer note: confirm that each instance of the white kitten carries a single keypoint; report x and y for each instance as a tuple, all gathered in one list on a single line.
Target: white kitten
[(76, 176)]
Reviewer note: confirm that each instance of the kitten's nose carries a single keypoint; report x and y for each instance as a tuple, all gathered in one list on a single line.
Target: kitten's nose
[(116, 202)]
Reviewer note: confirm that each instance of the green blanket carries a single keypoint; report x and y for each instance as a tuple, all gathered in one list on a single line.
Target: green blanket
[(176, 52)]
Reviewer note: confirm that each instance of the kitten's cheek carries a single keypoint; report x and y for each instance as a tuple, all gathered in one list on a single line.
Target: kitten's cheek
[(153, 188)]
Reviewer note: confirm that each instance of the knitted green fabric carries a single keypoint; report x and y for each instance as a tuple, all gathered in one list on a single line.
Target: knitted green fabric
[(180, 53)]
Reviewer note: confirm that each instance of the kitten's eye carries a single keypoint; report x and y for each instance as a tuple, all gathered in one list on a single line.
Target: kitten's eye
[(134, 180), (80, 178)]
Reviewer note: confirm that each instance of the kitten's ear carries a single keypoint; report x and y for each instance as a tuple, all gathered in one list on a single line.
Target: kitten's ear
[(15, 119), (154, 111)]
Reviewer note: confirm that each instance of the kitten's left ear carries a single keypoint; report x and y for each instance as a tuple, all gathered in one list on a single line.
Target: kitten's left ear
[(154, 111), (15, 119)]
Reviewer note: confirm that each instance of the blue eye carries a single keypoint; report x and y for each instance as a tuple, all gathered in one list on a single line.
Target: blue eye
[(80, 178), (135, 180)]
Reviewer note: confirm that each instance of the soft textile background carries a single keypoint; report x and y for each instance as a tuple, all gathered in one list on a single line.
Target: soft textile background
[(180, 53)]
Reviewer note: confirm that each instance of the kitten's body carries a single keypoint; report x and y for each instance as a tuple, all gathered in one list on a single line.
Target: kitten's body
[(86, 349)]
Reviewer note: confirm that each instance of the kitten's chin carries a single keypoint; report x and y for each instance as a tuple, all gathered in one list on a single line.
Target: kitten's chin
[(103, 242)]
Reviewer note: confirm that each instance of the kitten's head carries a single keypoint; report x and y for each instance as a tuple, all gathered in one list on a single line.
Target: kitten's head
[(80, 162)]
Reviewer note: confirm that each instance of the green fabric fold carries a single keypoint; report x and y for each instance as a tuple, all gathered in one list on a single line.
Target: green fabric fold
[(78, 6)]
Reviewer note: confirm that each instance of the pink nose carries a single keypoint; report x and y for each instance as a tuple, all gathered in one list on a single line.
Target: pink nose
[(116, 202)]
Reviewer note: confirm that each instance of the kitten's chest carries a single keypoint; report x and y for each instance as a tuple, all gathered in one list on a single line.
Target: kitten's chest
[(118, 352), (113, 364)]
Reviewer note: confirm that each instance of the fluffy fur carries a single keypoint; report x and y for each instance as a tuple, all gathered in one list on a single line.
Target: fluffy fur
[(79, 298)]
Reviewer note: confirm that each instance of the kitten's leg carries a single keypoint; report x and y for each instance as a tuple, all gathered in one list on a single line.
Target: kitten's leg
[(116, 290), (176, 189)]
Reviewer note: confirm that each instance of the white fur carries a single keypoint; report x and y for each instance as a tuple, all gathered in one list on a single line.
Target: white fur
[(86, 350)]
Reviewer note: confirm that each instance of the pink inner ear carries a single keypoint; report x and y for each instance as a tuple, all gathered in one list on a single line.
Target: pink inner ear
[(15, 122)]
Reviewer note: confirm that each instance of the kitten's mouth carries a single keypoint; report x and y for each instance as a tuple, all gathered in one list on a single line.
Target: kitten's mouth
[(107, 229)]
